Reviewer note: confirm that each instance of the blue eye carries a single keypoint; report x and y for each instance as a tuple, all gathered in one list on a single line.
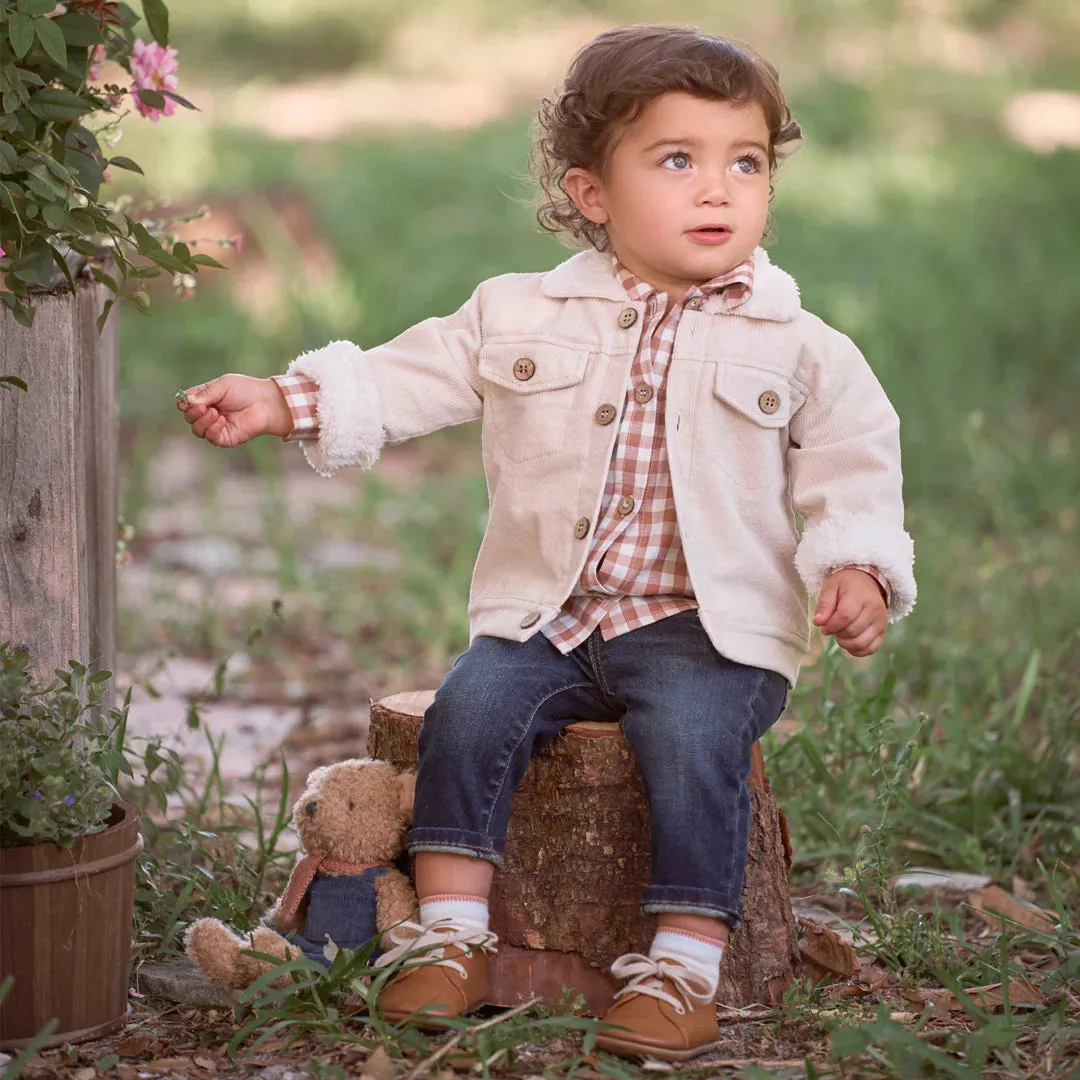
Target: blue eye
[(748, 164), (678, 162)]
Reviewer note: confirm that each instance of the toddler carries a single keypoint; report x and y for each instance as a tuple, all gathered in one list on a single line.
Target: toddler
[(654, 409)]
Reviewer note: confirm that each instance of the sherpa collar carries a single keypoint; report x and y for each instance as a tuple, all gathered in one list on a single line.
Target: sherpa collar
[(590, 274)]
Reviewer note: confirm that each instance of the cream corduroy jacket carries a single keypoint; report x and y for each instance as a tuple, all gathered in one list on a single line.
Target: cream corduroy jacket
[(768, 411)]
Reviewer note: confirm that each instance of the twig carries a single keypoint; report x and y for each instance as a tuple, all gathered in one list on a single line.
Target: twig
[(447, 1047)]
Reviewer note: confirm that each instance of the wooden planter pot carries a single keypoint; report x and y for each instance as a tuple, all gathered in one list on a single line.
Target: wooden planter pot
[(65, 933)]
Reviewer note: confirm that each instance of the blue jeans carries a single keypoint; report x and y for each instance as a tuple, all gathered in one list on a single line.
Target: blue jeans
[(689, 714)]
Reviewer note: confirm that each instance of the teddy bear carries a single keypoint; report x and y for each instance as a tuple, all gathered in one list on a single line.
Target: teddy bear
[(345, 889)]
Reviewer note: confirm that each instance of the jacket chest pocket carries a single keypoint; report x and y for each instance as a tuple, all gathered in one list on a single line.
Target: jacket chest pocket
[(531, 394), (753, 407)]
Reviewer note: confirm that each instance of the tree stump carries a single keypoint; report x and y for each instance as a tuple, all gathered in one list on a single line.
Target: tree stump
[(566, 901)]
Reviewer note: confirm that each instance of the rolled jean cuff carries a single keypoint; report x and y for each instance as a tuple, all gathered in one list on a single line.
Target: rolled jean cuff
[(684, 901), (454, 842)]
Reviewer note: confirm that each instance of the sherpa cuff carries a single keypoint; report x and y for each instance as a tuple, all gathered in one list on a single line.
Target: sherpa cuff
[(846, 539), (349, 408)]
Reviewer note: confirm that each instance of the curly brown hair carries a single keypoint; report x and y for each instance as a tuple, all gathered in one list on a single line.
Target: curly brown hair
[(612, 79)]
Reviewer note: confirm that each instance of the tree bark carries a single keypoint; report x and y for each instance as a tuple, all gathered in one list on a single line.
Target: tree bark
[(566, 901), (58, 475)]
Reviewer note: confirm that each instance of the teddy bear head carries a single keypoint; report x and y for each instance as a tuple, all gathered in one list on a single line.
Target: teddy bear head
[(355, 811)]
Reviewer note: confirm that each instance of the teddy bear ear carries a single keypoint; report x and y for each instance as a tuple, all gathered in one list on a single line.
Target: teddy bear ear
[(406, 788)]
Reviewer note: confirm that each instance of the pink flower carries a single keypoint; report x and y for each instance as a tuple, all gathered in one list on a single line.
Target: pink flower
[(106, 176), (93, 70), (238, 242), (2, 252), (152, 67)]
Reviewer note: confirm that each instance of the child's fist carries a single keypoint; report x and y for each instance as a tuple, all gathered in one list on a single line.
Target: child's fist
[(852, 608), (234, 409)]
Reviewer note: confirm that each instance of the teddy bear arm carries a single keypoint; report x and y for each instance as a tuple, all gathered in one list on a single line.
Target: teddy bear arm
[(278, 922), (395, 899)]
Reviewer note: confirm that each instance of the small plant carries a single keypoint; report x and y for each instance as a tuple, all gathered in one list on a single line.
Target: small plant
[(56, 121), (59, 756)]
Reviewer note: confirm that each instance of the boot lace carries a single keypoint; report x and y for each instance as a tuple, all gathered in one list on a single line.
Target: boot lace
[(647, 976), (428, 944)]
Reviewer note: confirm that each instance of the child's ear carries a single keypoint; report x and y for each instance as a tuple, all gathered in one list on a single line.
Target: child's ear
[(586, 194), (406, 789)]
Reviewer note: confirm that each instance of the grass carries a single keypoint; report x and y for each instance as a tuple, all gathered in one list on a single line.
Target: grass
[(912, 222)]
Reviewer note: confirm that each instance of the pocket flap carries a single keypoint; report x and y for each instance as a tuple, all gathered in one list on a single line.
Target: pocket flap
[(760, 395), (531, 367)]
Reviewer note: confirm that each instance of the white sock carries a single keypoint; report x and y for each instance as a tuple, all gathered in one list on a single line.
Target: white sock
[(702, 955), (465, 912)]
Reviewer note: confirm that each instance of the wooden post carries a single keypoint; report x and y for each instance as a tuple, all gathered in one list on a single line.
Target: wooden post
[(566, 901), (58, 483)]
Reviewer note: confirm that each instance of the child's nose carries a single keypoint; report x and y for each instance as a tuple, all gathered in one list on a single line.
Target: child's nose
[(714, 188)]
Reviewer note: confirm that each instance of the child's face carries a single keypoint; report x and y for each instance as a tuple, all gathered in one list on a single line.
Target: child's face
[(685, 193)]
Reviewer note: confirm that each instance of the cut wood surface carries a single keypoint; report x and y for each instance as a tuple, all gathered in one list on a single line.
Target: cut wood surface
[(58, 476), (567, 898)]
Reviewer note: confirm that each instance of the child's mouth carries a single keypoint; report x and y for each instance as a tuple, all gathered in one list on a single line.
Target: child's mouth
[(710, 234)]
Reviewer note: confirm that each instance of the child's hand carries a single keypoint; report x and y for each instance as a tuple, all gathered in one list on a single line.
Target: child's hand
[(234, 409), (851, 607)]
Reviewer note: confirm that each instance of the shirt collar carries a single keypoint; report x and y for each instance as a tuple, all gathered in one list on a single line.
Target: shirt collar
[(589, 274), (734, 287)]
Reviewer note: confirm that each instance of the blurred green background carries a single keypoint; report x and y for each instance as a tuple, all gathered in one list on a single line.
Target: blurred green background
[(371, 154)]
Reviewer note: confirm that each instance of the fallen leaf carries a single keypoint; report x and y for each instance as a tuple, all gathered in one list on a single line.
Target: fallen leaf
[(933, 880), (824, 949), (173, 1064), (127, 1072), (378, 1065), (992, 902), (133, 1047), (1022, 995), (87, 1073)]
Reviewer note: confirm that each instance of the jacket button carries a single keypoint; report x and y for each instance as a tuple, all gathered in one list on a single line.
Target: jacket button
[(604, 415), (530, 620), (643, 394), (524, 369), (581, 528), (693, 304), (627, 318), (626, 505), (769, 402)]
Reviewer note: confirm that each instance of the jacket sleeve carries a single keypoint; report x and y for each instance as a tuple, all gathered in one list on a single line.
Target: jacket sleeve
[(422, 380), (846, 482)]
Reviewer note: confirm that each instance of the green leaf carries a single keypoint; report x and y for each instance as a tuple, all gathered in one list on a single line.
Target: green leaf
[(152, 99), (12, 380), (125, 163), (180, 100), (8, 158), (848, 1041), (21, 34), (62, 263), (9, 78), (157, 18), (79, 29), (103, 317), (56, 104), (36, 7), (206, 260), (52, 41)]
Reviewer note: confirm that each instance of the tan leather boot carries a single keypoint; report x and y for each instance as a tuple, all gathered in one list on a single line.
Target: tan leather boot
[(665, 1011), (444, 973)]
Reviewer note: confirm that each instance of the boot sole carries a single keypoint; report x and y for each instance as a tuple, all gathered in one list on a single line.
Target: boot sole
[(626, 1046), (427, 1021)]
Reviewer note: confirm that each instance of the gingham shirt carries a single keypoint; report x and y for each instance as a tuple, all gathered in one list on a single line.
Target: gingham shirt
[(635, 572)]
